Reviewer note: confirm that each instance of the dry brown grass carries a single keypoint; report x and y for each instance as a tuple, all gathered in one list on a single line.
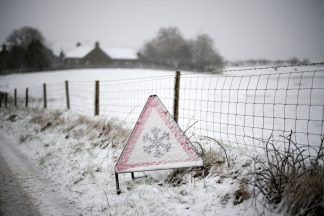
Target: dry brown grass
[(305, 194), (48, 120), (176, 177), (291, 179), (102, 132), (241, 194), (213, 163)]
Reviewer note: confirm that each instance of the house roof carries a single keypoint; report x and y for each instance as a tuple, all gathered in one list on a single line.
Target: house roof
[(120, 53), (114, 53), (78, 52)]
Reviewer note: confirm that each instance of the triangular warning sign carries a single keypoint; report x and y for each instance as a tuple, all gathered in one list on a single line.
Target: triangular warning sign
[(157, 142)]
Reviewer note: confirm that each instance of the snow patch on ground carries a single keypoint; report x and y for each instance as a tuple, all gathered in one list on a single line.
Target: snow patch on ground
[(72, 161)]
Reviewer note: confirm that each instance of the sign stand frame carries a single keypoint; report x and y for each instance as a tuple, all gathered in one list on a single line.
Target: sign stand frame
[(132, 172)]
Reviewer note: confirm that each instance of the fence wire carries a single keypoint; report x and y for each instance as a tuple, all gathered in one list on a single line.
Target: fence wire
[(35, 96), (235, 109), (20, 97), (82, 97), (125, 100), (247, 110), (56, 95)]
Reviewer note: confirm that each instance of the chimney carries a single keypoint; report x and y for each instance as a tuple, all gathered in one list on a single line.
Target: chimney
[(97, 44)]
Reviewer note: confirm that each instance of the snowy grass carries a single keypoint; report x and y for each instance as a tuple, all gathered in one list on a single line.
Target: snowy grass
[(289, 179), (79, 154)]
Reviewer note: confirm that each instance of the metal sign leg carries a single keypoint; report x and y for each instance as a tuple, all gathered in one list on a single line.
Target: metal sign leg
[(133, 177), (117, 183)]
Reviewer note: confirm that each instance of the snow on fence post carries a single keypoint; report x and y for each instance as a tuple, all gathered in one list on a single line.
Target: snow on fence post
[(67, 94), (97, 98), (44, 95), (6, 99), (15, 97), (176, 96), (26, 101)]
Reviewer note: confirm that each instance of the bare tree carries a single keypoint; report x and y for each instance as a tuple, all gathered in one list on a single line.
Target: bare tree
[(204, 56), (28, 51), (24, 36), (171, 50)]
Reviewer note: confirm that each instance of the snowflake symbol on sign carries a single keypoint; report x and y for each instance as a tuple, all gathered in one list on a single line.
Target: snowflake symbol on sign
[(158, 143)]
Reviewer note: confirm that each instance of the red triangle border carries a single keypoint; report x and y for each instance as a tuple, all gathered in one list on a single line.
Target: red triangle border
[(154, 102)]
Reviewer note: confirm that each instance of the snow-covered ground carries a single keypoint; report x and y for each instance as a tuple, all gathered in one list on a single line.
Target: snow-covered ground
[(66, 163), (65, 160), (23, 80)]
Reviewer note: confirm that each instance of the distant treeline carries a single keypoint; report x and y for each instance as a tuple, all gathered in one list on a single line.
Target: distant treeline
[(169, 49), (265, 62), (25, 50)]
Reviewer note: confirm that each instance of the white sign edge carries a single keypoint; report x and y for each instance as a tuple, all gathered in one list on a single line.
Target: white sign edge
[(198, 163)]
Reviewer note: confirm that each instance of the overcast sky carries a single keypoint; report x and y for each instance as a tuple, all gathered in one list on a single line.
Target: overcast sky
[(241, 29)]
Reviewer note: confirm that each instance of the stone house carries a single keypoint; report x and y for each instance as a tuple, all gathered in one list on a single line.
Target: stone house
[(84, 56)]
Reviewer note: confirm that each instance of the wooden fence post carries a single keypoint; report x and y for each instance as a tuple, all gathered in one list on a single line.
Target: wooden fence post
[(15, 99), (176, 96), (45, 95), (97, 98), (26, 101), (6, 99), (67, 94)]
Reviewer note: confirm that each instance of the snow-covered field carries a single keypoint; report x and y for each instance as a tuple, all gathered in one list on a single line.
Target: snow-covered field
[(243, 107), (65, 161), (66, 164)]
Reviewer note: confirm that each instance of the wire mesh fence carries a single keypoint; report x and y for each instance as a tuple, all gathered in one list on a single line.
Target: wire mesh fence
[(20, 96), (125, 100), (82, 97), (56, 95), (236, 109), (247, 110), (35, 96)]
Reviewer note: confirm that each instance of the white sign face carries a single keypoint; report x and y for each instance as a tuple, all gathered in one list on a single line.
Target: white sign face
[(157, 142)]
